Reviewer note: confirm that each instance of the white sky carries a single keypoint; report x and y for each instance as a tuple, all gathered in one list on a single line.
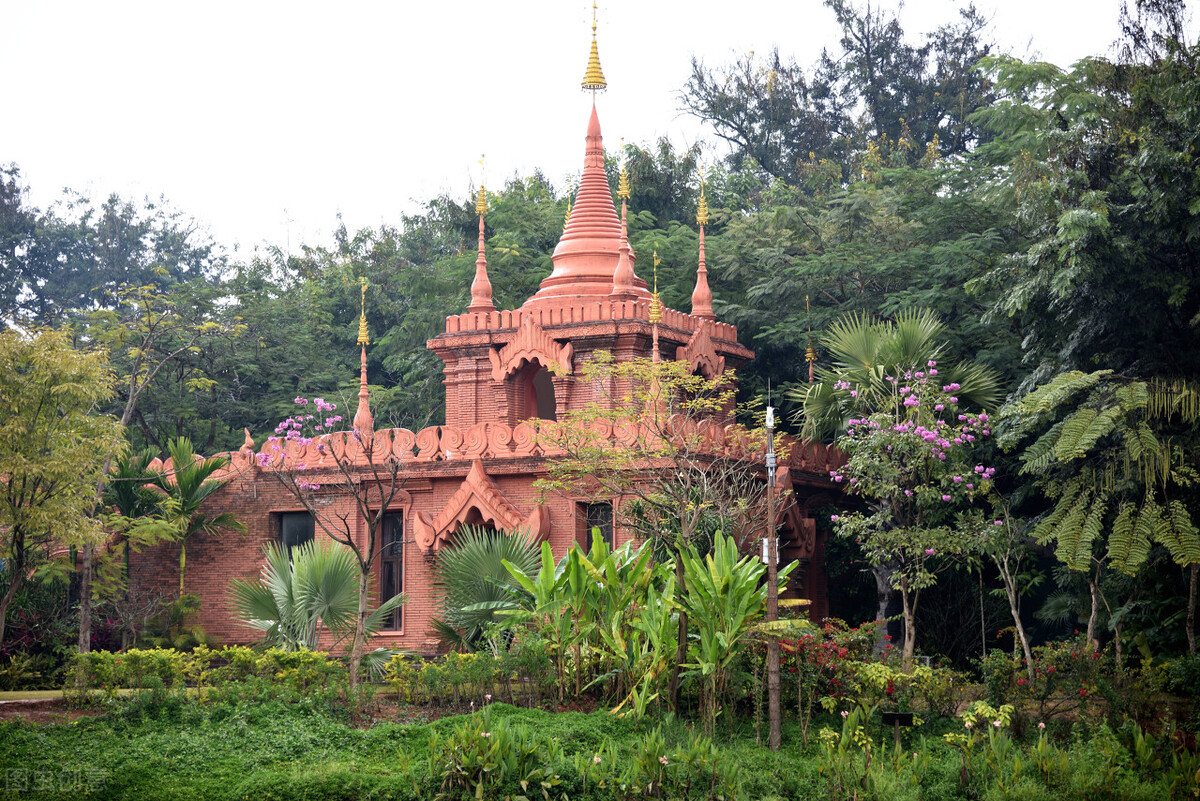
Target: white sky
[(265, 119)]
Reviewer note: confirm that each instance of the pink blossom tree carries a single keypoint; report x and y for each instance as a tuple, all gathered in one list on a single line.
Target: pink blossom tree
[(910, 462), (340, 476)]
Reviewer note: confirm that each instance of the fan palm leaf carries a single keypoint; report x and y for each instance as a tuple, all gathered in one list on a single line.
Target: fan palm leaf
[(864, 352), (475, 585), (303, 593)]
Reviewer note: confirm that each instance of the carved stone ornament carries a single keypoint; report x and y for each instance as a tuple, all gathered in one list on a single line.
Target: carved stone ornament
[(480, 494), (531, 342), (701, 354)]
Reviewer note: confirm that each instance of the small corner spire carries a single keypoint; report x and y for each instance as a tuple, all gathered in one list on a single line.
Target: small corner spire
[(623, 275), (593, 77), (481, 287), (656, 315), (702, 294), (364, 423), (656, 304), (364, 338), (810, 352)]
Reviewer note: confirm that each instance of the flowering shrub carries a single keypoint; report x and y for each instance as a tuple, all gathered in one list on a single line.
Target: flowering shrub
[(910, 461), (204, 667), (110, 671), (1067, 677)]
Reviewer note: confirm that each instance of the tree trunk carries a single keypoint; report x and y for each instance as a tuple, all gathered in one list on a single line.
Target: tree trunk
[(883, 598), (182, 562), (681, 649), (360, 628), (1010, 589), (14, 584), (910, 627), (1094, 617), (85, 599), (1193, 569), (982, 619)]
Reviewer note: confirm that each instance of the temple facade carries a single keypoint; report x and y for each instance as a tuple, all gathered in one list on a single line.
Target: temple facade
[(503, 371)]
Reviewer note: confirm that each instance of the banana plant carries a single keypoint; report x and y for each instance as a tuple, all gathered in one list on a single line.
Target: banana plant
[(726, 597), (547, 609)]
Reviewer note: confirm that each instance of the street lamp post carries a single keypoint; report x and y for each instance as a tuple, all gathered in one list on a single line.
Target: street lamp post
[(773, 711)]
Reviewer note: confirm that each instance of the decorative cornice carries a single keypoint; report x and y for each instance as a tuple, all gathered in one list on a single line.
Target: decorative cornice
[(531, 342), (477, 493), (701, 353)]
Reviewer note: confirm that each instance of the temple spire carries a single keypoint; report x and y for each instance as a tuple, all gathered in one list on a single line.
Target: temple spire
[(810, 353), (364, 423), (623, 276), (593, 77), (481, 287), (656, 312), (702, 295)]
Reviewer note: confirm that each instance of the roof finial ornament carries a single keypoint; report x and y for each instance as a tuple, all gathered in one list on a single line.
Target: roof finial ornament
[(810, 353), (623, 276), (702, 295), (481, 287), (656, 315), (593, 77), (364, 423), (364, 337)]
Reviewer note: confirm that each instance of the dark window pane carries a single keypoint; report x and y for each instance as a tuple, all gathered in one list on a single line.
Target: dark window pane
[(295, 529), (391, 566), (600, 516)]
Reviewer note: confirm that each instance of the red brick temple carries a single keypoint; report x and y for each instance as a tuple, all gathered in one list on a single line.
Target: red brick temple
[(502, 368)]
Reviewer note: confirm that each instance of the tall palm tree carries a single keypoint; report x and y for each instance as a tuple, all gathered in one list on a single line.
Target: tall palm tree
[(865, 352), (187, 487), (305, 591)]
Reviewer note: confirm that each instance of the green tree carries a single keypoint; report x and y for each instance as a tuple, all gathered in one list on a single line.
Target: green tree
[(1096, 164), (1105, 458), (54, 446)]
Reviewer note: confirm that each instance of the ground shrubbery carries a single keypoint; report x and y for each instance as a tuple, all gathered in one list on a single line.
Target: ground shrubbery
[(169, 744), (238, 723)]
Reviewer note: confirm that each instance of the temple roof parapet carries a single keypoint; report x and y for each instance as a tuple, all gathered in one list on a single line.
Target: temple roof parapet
[(489, 440), (569, 314)]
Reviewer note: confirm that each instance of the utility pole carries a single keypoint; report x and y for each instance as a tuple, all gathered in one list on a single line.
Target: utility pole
[(773, 711)]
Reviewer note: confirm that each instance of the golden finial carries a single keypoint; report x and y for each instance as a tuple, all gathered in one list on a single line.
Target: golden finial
[(567, 219), (702, 206), (363, 337), (623, 180), (593, 78), (656, 307), (481, 199), (810, 353)]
